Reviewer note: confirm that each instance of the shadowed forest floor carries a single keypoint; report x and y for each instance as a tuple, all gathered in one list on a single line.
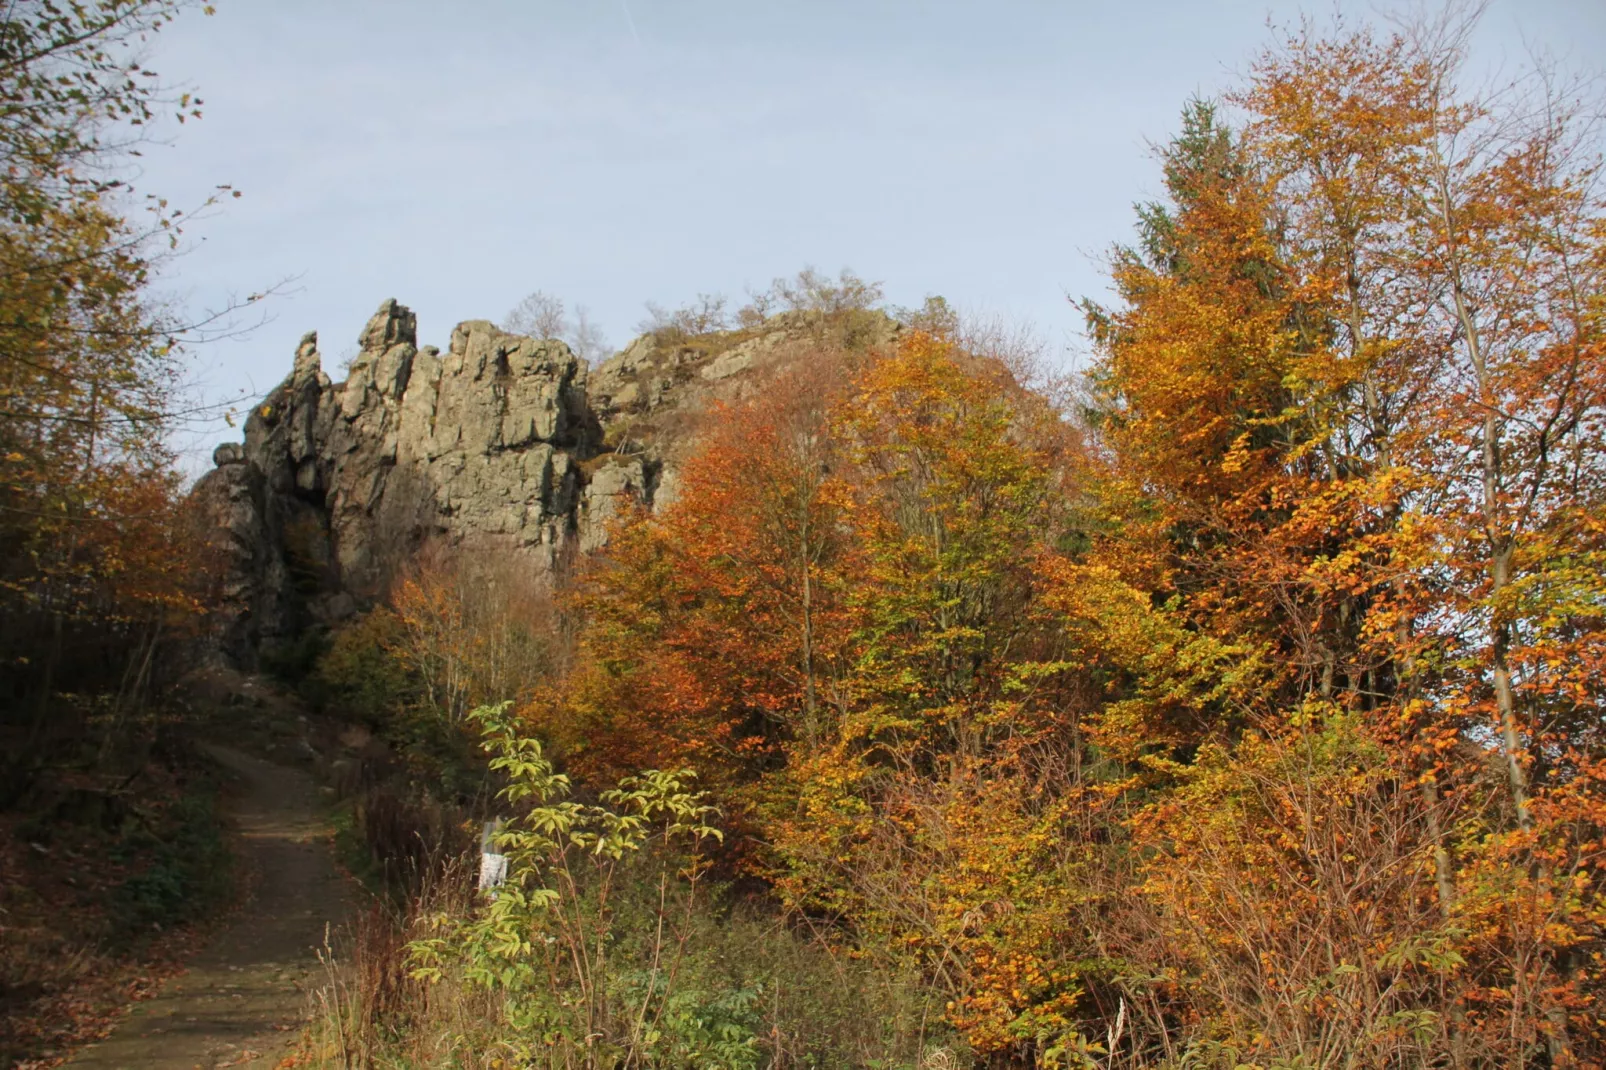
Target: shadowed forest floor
[(244, 996)]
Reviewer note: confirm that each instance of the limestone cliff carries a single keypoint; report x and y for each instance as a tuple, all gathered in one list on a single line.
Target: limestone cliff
[(501, 444)]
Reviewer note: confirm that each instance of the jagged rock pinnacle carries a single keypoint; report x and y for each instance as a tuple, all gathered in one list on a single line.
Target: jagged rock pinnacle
[(504, 443)]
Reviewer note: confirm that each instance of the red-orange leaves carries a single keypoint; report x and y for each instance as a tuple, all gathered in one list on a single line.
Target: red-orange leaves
[(718, 626)]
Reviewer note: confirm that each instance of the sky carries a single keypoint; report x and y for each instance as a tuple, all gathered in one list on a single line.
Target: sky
[(614, 152)]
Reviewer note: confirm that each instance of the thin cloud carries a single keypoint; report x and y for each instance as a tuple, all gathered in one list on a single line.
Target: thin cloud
[(631, 22)]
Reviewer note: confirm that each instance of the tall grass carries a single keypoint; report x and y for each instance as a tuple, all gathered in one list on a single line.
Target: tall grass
[(784, 998), (606, 948)]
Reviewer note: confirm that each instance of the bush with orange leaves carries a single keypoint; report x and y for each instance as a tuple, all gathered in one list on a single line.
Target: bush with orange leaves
[(460, 627)]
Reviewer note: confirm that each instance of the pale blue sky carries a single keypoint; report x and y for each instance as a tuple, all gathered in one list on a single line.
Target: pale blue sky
[(459, 155)]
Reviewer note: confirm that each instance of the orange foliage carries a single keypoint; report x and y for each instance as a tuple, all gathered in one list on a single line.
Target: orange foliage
[(1355, 399), (1266, 730)]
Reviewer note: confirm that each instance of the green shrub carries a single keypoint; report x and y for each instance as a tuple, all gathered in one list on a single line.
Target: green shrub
[(608, 946), (360, 674), (186, 874), (547, 939), (292, 661)]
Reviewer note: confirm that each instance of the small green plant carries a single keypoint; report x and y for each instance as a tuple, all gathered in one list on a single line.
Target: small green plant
[(548, 939), (187, 872), (360, 672), (292, 661)]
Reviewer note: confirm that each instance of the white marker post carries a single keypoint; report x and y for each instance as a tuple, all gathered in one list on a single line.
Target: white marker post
[(493, 863)]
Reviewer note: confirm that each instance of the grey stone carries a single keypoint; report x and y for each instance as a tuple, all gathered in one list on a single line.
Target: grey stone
[(503, 443)]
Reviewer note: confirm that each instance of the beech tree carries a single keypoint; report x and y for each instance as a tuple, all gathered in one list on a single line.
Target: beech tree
[(1355, 394), (725, 614), (89, 372)]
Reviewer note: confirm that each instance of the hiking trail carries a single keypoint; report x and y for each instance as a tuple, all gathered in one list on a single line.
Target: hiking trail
[(245, 995)]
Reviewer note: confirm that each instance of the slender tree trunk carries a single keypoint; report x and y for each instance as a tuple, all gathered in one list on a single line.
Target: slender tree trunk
[(68, 558), (1499, 567), (810, 697), (1500, 539), (1505, 697)]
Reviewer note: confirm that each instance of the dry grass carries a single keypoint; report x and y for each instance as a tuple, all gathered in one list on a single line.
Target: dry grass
[(816, 1006), (369, 1012)]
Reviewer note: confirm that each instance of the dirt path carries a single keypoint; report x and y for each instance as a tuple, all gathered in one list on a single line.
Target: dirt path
[(243, 997)]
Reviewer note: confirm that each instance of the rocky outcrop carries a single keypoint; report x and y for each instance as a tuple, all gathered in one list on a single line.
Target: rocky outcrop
[(501, 444)]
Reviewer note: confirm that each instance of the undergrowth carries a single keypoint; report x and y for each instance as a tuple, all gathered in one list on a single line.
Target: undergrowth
[(607, 946), (186, 870), (106, 864)]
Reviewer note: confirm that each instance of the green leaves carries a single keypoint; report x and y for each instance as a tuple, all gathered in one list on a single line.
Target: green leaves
[(547, 939)]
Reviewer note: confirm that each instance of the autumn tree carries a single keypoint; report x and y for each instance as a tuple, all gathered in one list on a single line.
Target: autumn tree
[(725, 615), (457, 625), (1351, 349), (942, 793), (89, 375), (837, 620)]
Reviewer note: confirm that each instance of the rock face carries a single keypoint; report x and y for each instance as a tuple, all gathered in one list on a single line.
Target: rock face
[(502, 444)]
